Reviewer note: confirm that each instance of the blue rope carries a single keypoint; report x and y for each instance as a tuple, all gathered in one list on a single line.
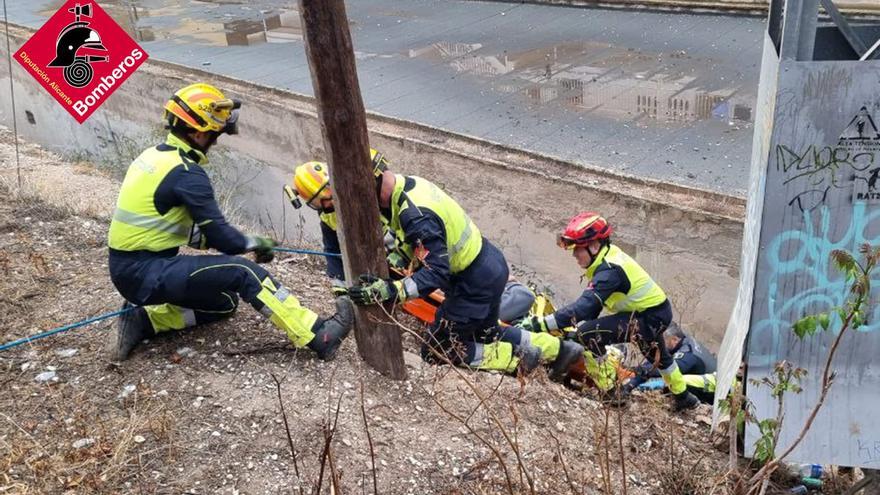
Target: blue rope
[(65, 328), (105, 316), (306, 251)]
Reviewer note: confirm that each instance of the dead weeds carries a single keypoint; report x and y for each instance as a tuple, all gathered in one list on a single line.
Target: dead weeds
[(199, 411)]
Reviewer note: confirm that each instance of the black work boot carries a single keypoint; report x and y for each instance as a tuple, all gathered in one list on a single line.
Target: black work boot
[(569, 353), (333, 330), (684, 400), (131, 329), (529, 359)]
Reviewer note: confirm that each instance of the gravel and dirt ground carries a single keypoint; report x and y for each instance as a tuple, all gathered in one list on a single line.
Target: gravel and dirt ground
[(199, 411)]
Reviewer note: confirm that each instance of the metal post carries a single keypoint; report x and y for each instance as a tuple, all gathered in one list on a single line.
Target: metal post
[(843, 25), (774, 23), (799, 29)]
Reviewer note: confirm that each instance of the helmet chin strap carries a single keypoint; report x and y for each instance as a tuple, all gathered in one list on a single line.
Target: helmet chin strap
[(211, 141), (379, 181)]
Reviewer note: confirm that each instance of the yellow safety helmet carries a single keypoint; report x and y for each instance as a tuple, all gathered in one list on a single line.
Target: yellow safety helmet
[(310, 181), (380, 164), (202, 107)]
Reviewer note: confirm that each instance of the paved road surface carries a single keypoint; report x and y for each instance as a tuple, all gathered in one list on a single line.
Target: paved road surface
[(668, 96)]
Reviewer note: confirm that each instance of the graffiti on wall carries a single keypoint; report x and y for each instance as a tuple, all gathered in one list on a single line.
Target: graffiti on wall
[(852, 164), (801, 278), (822, 176)]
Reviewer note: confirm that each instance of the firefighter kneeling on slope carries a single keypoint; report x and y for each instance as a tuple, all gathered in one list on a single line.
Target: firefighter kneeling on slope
[(166, 202), (432, 230), (638, 308)]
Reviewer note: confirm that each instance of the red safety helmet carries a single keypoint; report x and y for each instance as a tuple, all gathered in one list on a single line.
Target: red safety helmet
[(583, 229)]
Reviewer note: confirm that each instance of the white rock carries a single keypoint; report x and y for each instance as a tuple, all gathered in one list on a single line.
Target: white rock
[(347, 442), (66, 353), (162, 393), (46, 376), (186, 352), (139, 439), (26, 366), (215, 434), (83, 443), (126, 391)]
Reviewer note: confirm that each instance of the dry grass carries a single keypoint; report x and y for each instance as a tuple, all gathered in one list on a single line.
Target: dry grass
[(210, 422)]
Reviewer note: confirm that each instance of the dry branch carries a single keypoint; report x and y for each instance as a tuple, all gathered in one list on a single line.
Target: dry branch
[(287, 431)]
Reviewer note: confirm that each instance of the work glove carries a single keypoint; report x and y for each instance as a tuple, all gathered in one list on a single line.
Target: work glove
[(534, 324), (372, 290), (338, 288), (262, 248), (396, 261), (653, 384)]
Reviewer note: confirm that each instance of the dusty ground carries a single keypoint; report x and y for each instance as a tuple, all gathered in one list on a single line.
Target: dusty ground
[(199, 412)]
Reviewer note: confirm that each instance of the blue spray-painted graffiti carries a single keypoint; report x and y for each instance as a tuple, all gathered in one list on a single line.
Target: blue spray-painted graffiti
[(802, 279)]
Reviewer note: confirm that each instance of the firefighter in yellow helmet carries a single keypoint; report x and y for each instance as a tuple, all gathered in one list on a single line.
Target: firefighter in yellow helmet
[(435, 236), (166, 202), (311, 186)]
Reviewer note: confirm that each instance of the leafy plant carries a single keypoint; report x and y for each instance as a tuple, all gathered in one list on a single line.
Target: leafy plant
[(785, 379), (851, 315), (766, 443)]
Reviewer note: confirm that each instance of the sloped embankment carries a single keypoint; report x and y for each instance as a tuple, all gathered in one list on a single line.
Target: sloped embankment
[(198, 411)]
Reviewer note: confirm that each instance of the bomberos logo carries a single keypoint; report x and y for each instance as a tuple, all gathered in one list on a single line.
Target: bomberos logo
[(81, 56)]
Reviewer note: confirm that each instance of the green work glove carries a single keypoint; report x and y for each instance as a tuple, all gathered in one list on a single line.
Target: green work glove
[(535, 324), (262, 248), (372, 290), (396, 261), (338, 288)]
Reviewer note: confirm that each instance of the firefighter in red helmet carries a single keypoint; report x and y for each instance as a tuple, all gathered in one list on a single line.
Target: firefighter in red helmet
[(637, 308)]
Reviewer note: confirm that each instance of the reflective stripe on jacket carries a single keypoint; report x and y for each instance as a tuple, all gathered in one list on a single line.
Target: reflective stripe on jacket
[(463, 238), (643, 293), (136, 224)]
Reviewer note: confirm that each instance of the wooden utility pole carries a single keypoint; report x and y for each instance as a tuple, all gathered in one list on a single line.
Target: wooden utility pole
[(344, 127)]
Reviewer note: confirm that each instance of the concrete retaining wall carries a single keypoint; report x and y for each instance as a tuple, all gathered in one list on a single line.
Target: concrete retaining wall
[(689, 239)]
